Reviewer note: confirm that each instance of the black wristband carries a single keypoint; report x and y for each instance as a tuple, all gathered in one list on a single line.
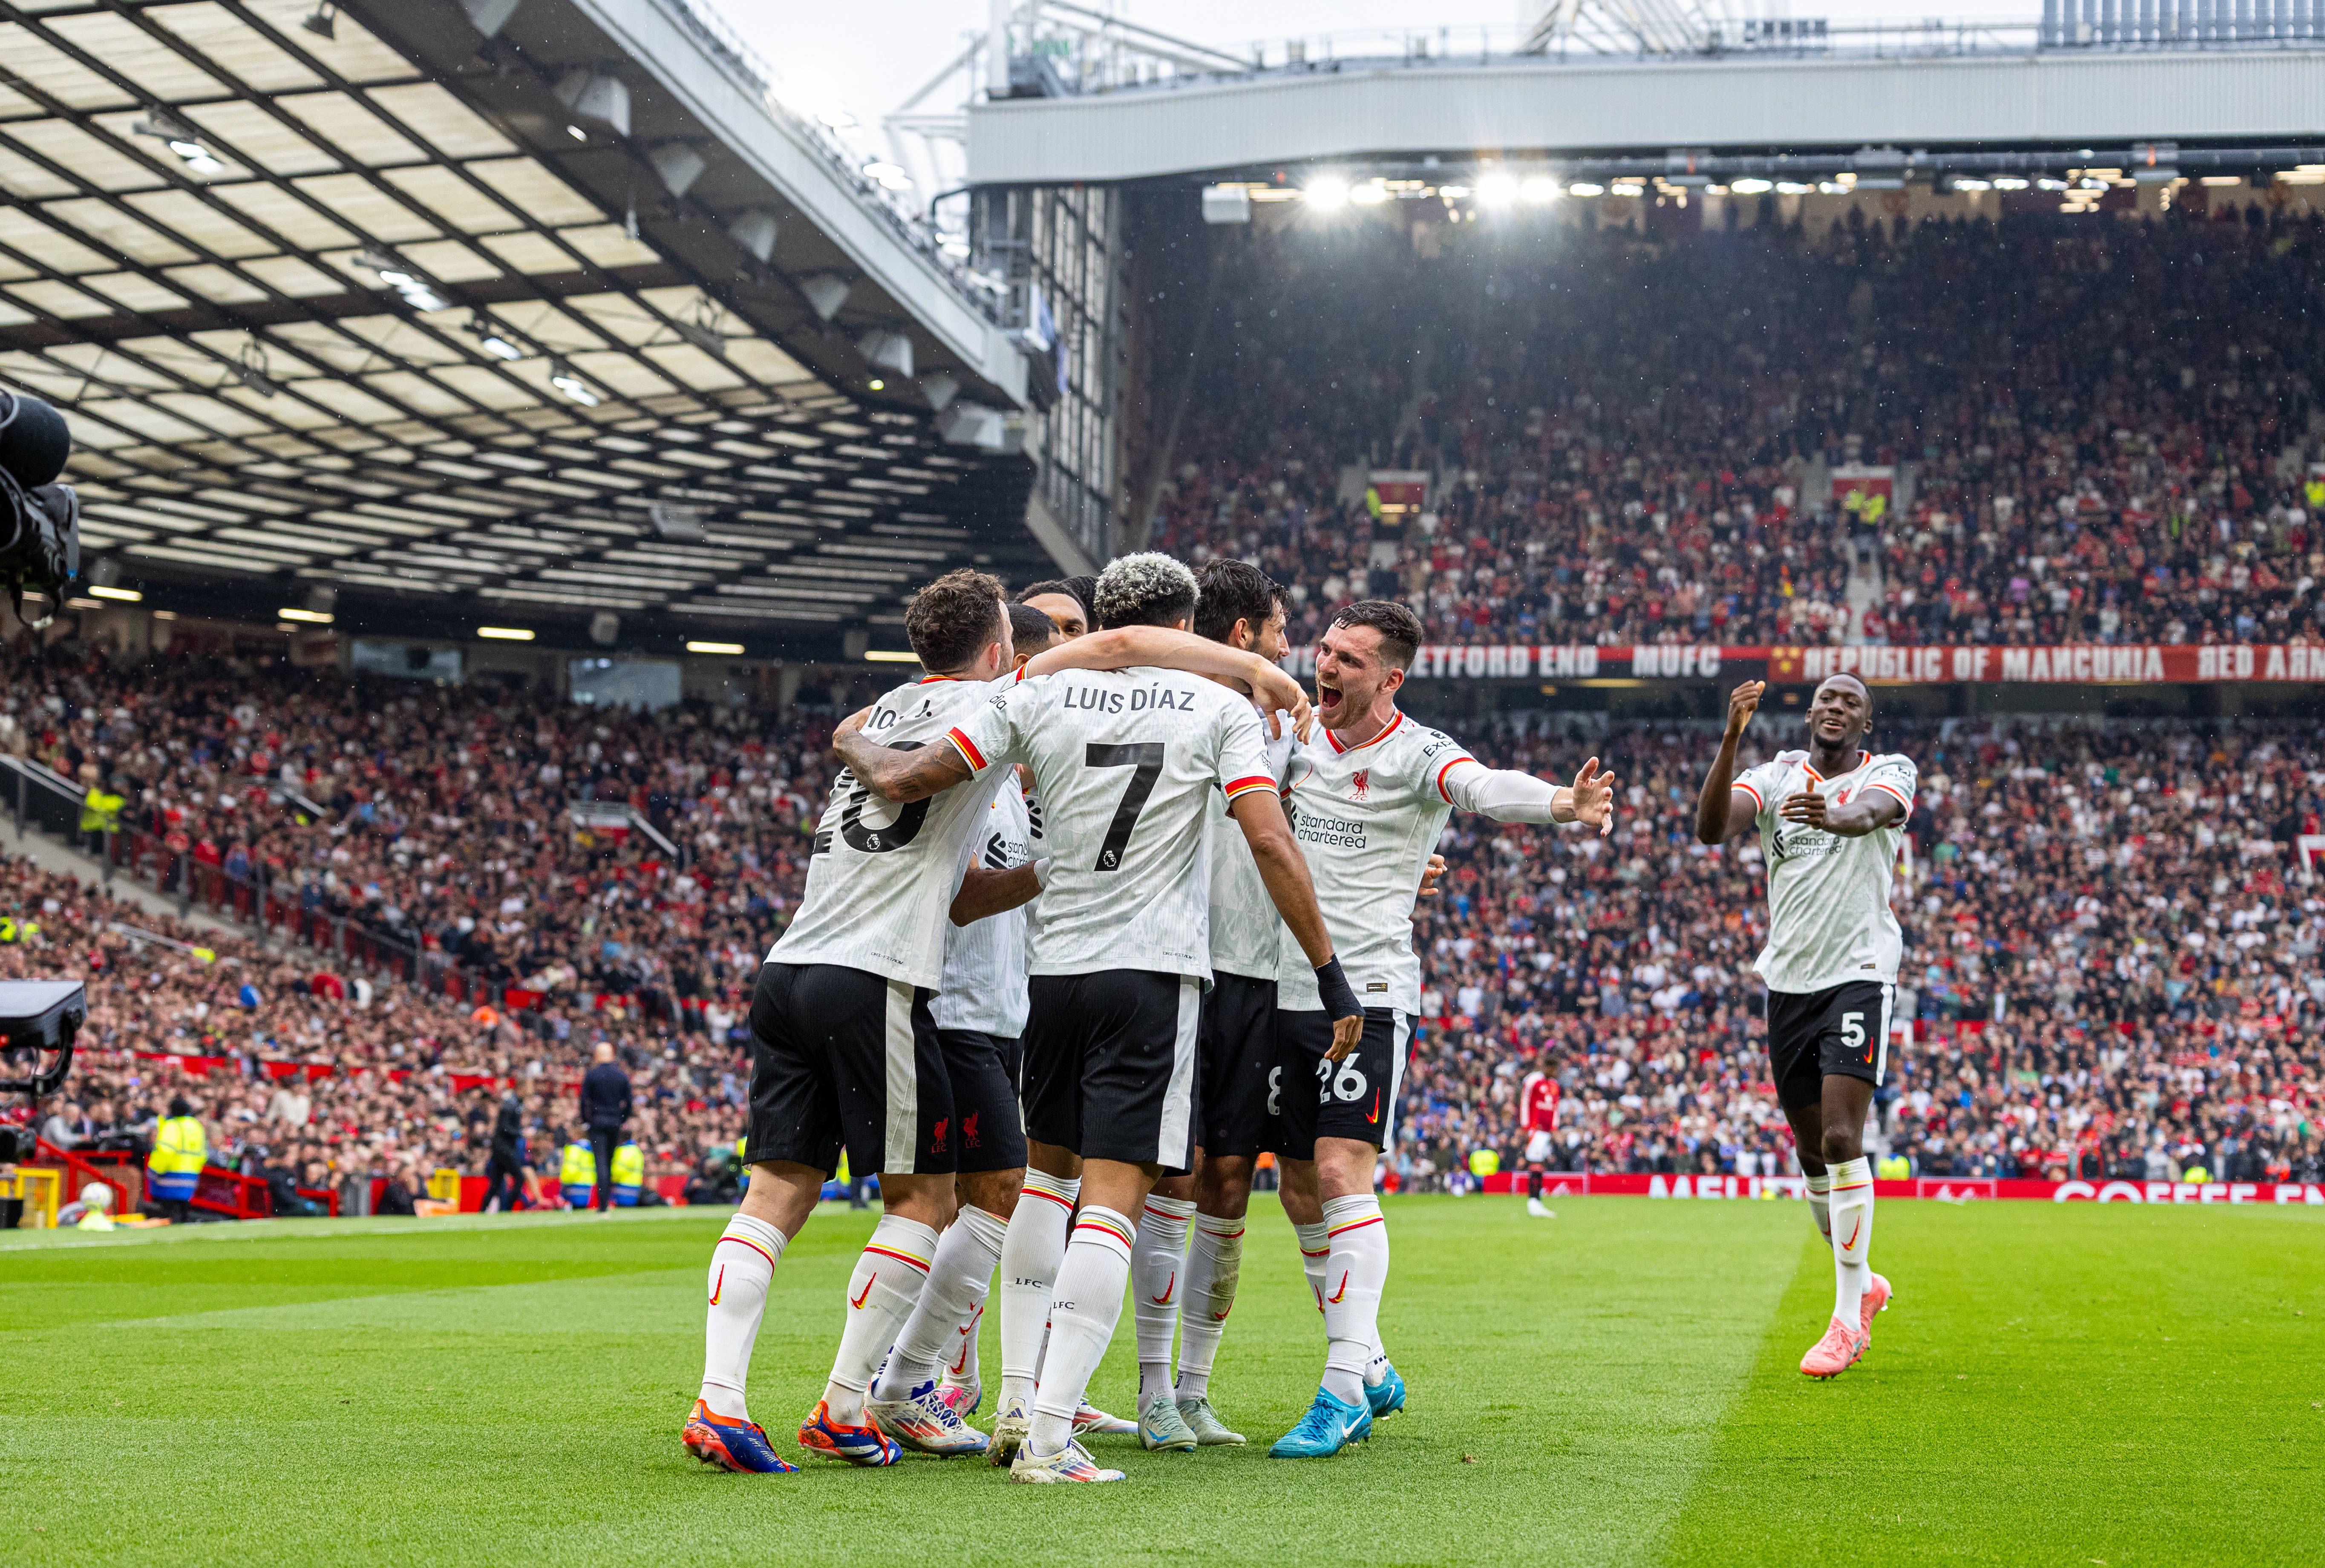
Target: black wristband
[(1339, 996)]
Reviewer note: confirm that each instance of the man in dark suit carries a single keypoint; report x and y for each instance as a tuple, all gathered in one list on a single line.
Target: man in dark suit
[(605, 1108), (504, 1166)]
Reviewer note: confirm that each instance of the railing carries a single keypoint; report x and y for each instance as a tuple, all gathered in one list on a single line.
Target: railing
[(218, 1190), (1089, 65), (701, 18), (44, 800)]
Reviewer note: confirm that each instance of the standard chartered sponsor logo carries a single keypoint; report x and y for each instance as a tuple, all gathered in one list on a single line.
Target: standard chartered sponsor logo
[(1800, 842), (1336, 831)]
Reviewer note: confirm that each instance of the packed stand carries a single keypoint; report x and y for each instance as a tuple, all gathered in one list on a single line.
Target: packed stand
[(2112, 957), (1623, 430), (440, 821), (2111, 961)]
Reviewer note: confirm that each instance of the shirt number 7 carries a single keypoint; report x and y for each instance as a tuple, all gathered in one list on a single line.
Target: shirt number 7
[(1144, 761)]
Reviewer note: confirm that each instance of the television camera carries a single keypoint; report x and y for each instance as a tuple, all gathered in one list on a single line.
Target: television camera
[(38, 1018), (40, 520)]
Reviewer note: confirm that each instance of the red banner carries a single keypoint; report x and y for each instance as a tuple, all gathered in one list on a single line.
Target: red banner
[(2082, 664), (1947, 1189)]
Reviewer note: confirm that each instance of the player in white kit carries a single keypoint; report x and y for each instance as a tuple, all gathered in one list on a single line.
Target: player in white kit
[(1829, 818), (1176, 1276), (1125, 766), (979, 1011), (1368, 802), (845, 1051)]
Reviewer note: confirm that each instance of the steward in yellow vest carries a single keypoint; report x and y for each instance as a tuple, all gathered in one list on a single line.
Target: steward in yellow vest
[(577, 1175), (629, 1175), (181, 1150)]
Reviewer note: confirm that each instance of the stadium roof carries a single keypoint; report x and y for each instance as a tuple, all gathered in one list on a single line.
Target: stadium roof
[(483, 315), (1955, 93)]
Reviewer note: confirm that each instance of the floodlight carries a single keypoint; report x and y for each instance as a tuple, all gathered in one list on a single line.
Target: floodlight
[(563, 377)]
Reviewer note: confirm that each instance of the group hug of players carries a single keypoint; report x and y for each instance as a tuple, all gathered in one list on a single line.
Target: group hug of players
[(1063, 969)]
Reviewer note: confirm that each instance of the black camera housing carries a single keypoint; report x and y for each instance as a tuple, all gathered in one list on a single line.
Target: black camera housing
[(37, 1016), (39, 520)]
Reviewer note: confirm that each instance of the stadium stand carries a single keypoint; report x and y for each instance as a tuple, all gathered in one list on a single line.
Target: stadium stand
[(2111, 954), (2112, 939), (1620, 430)]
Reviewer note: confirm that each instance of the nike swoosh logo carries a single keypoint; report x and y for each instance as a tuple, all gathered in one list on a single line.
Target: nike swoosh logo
[(1853, 1230), (1374, 1115), (720, 1285), (859, 1302), (1220, 1316), (1336, 1296), (1164, 1299)]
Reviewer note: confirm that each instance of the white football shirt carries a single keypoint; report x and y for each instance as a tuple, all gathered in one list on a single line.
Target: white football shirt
[(1829, 916), (1367, 818), (1245, 925), (983, 987), (881, 877), (1126, 765)]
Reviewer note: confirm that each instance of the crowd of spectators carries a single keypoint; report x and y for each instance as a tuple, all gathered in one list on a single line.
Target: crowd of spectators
[(2112, 944), (2112, 962), (2101, 430), (440, 821)]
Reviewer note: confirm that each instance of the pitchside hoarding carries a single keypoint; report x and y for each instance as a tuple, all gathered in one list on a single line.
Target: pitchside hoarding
[(2080, 664), (1947, 1189)]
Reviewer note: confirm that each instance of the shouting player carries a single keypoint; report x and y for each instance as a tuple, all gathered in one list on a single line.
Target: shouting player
[(844, 1050), (1123, 765), (1242, 608), (1828, 819), (1368, 804)]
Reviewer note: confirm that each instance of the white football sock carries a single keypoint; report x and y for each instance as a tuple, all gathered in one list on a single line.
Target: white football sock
[(1214, 1263), (890, 1274), (1083, 1310), (1030, 1255), (1820, 1204), (1315, 1247), (961, 1372), (742, 1261), (1157, 1260), (1355, 1274), (1852, 1235), (958, 1278)]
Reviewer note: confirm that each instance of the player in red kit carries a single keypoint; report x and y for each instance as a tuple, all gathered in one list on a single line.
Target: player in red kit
[(1538, 1112)]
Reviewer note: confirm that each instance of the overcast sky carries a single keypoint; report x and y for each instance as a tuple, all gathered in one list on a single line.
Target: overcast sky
[(868, 57)]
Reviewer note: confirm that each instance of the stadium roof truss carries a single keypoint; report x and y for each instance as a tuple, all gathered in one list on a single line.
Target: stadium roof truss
[(321, 315)]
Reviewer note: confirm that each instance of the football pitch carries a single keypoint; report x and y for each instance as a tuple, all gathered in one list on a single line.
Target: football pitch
[(2117, 1385)]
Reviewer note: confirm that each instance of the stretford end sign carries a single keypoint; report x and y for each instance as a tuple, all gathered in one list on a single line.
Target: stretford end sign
[(2080, 664)]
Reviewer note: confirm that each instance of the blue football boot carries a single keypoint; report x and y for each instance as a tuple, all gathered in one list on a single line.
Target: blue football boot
[(1330, 1425), (1386, 1397), (731, 1442)]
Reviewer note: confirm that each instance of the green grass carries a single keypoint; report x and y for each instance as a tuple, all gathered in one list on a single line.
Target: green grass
[(2119, 1385)]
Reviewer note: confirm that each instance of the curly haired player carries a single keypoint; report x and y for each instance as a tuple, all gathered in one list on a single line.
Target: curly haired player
[(1828, 819)]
